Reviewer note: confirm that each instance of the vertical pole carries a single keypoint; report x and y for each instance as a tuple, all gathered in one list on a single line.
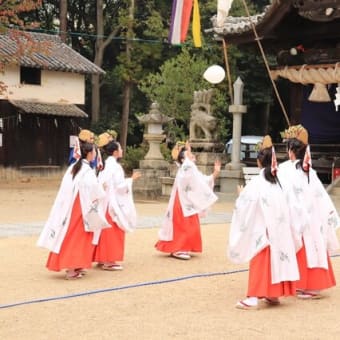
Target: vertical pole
[(227, 67), (236, 148)]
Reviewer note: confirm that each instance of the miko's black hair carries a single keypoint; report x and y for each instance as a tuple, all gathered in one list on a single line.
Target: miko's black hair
[(181, 155), (299, 149), (264, 156), (85, 149)]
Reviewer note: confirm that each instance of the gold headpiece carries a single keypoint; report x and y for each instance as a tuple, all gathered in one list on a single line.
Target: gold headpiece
[(265, 143), (113, 133), (86, 136), (296, 131), (177, 149), (104, 139)]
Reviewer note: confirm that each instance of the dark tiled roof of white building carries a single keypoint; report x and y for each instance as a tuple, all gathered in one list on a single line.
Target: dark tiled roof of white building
[(52, 54), (54, 109)]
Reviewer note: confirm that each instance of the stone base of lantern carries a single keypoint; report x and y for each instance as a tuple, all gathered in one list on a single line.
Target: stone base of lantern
[(149, 185), (153, 164), (229, 180)]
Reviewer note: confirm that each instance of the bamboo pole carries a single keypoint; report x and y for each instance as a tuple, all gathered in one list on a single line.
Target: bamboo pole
[(226, 61)]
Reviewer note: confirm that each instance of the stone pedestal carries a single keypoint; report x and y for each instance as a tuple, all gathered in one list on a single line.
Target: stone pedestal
[(154, 141), (149, 185), (205, 163), (168, 180), (229, 180), (153, 164)]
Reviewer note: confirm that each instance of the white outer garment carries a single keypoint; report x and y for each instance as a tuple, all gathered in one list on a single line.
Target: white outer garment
[(313, 212), (86, 183), (119, 195), (261, 218), (195, 192)]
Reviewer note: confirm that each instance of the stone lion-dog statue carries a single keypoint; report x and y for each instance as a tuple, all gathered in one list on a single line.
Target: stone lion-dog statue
[(202, 123)]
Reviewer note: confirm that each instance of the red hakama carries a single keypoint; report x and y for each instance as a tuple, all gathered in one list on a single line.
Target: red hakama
[(260, 280), (111, 244), (77, 249), (186, 233), (314, 278)]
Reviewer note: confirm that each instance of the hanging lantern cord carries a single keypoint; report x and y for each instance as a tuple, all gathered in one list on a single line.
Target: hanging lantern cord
[(266, 63)]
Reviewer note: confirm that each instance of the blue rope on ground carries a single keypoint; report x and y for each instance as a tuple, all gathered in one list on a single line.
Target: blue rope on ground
[(135, 285)]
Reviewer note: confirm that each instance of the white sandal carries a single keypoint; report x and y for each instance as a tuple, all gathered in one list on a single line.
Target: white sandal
[(182, 255), (243, 305), (112, 266)]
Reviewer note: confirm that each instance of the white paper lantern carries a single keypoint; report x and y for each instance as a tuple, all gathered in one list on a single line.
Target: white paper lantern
[(214, 74)]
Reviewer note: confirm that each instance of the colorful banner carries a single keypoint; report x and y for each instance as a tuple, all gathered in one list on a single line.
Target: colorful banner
[(180, 20), (196, 25)]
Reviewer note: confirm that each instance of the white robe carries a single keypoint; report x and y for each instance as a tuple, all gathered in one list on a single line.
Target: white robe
[(91, 195), (195, 192), (119, 195), (261, 218), (313, 212)]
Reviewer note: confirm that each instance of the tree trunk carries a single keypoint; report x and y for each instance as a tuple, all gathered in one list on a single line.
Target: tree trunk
[(127, 85), (98, 60), (63, 20), (95, 81), (124, 123), (95, 96)]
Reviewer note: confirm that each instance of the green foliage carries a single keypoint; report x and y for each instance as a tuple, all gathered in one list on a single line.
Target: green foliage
[(173, 88), (238, 9), (157, 70), (166, 152), (105, 124), (132, 157), (174, 85), (134, 154)]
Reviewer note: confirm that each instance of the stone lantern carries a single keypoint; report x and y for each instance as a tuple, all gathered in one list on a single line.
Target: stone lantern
[(153, 167), (153, 122)]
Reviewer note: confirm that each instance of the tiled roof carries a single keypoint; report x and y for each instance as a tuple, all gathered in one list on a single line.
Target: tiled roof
[(273, 14), (236, 25), (53, 54), (65, 110)]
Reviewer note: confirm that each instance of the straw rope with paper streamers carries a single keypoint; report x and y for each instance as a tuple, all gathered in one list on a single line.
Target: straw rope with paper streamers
[(304, 74)]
